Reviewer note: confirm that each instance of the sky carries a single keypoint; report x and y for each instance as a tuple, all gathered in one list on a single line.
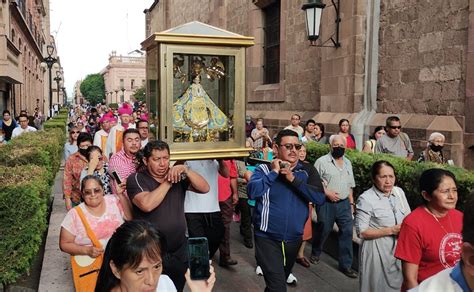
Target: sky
[(87, 31)]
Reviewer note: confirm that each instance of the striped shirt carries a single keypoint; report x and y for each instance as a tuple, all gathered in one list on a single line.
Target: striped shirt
[(123, 164)]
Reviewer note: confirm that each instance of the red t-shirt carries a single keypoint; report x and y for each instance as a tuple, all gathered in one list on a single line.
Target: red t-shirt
[(223, 183), (424, 242), (350, 143)]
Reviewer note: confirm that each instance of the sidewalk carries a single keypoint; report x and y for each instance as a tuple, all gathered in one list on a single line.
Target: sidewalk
[(56, 272)]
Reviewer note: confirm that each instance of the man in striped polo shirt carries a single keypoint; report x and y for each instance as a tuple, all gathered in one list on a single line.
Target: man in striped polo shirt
[(124, 162)]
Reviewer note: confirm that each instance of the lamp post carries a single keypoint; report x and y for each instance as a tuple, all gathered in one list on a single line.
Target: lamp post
[(313, 11), (58, 80), (49, 61), (123, 96), (116, 98), (64, 95)]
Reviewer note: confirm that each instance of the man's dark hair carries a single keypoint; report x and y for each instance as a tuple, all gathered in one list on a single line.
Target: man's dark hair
[(83, 136), (310, 121), (468, 220), (93, 110), (22, 116), (321, 127), (6, 112), (141, 121), (284, 133), (130, 131), (391, 119), (155, 145)]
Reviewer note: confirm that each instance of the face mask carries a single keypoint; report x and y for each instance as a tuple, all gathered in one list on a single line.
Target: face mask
[(83, 152), (436, 148), (338, 152)]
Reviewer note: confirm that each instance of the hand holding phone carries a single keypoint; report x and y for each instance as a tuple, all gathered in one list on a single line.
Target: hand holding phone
[(116, 177), (198, 258)]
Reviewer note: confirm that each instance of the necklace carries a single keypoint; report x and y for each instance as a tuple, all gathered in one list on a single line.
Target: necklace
[(437, 220)]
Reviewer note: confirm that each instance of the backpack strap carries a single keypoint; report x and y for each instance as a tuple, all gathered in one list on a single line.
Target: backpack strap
[(404, 138), (89, 231)]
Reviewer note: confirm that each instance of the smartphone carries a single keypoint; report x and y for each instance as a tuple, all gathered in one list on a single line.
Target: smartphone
[(116, 177), (198, 258)]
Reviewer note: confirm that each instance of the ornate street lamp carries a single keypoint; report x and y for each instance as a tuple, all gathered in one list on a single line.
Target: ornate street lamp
[(64, 95), (313, 12), (116, 98), (58, 80), (122, 99), (49, 61)]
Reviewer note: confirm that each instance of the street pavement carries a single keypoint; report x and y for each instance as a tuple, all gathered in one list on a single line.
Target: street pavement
[(56, 270)]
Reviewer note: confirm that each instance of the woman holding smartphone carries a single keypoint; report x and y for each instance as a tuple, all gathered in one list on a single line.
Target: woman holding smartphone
[(133, 262)]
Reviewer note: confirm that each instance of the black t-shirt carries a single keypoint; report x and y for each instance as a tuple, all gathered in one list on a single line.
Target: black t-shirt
[(168, 217)]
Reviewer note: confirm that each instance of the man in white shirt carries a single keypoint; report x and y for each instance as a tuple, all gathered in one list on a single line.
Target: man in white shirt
[(23, 128), (203, 215), (295, 125)]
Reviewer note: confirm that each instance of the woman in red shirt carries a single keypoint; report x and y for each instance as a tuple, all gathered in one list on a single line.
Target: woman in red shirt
[(344, 130), (430, 237)]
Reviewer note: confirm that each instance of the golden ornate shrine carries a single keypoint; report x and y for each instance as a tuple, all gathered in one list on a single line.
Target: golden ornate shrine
[(196, 90)]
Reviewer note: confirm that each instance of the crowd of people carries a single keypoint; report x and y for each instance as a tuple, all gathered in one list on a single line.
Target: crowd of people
[(11, 127), (131, 209)]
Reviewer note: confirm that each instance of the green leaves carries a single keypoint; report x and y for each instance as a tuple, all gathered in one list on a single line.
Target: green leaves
[(93, 88), (407, 173), (27, 168)]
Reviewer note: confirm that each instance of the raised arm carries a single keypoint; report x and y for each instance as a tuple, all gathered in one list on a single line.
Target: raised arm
[(143, 197), (260, 181), (196, 182), (308, 185)]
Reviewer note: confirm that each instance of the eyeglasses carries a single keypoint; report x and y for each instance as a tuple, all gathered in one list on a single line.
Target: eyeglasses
[(23, 121), (75, 132), (395, 127), (290, 146), (84, 147), (89, 192)]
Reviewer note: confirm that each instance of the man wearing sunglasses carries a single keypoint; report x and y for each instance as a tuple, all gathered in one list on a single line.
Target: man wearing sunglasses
[(282, 191), (395, 142), (461, 276)]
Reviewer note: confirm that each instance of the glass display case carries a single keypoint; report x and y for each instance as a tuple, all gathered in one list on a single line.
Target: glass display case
[(196, 90)]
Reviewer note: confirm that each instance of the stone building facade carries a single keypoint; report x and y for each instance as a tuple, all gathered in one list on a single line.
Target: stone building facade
[(123, 76), (411, 58), (24, 35), (78, 98)]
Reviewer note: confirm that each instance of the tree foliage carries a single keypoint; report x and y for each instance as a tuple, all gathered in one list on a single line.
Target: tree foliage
[(140, 93), (93, 88)]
